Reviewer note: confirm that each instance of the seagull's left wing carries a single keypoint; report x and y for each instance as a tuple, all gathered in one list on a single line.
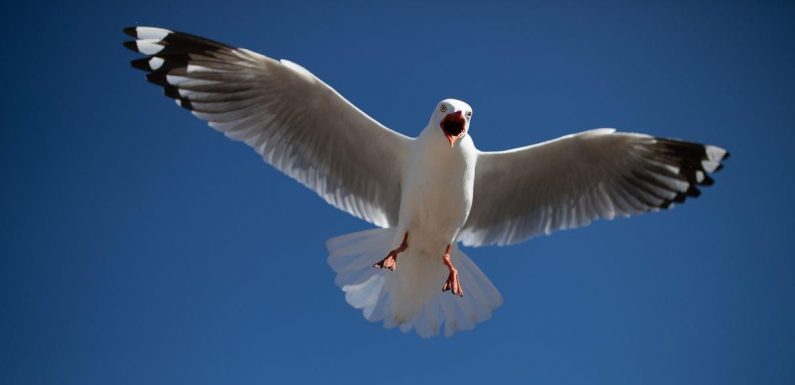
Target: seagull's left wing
[(570, 181), (295, 121)]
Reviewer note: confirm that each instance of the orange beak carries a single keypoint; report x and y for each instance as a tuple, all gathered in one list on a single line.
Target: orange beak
[(451, 139)]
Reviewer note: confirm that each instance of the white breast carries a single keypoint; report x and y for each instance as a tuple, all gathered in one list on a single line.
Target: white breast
[(437, 190)]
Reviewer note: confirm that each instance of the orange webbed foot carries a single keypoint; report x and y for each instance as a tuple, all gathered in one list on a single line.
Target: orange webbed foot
[(390, 262)]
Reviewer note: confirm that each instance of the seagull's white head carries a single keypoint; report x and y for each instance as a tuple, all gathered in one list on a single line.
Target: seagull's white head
[(452, 117)]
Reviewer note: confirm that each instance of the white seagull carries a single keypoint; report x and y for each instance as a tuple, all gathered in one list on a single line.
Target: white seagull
[(425, 194)]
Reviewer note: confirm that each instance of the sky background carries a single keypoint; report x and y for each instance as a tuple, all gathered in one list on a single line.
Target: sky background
[(138, 246)]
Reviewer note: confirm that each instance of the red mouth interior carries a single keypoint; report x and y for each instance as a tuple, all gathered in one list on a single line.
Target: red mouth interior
[(453, 124)]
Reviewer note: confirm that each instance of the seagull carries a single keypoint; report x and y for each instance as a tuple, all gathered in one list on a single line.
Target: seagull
[(425, 195)]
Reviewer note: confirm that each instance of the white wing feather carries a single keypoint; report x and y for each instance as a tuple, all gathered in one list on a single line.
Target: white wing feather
[(291, 118), (571, 181)]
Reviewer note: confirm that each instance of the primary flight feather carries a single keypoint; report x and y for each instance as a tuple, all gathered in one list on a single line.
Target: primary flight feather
[(427, 193)]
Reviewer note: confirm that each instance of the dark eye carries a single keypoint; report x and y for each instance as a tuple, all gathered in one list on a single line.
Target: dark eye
[(469, 114), (443, 108)]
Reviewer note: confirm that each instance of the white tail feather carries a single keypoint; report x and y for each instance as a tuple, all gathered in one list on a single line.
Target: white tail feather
[(410, 297)]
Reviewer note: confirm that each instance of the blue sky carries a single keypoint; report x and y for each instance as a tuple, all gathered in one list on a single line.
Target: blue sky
[(138, 246)]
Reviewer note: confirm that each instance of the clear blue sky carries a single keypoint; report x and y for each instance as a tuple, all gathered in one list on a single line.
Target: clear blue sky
[(138, 246)]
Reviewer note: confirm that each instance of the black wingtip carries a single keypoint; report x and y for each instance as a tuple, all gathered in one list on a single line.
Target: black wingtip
[(171, 92), (693, 192), (131, 45), (131, 31), (141, 64), (157, 78), (726, 155), (186, 104)]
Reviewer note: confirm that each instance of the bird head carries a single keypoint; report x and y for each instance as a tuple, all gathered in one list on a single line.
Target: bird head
[(452, 118)]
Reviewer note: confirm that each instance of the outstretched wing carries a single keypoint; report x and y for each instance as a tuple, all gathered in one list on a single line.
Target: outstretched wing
[(570, 181), (297, 123)]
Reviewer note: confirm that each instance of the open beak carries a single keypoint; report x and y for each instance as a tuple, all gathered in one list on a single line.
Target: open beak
[(451, 139), (453, 126)]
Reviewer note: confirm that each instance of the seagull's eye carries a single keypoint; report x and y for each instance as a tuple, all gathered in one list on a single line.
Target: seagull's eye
[(469, 114), (443, 108)]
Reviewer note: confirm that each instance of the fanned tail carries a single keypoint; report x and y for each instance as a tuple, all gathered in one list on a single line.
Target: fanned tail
[(410, 297)]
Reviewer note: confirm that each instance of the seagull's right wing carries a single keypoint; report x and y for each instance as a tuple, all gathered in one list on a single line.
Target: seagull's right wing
[(291, 118), (570, 181)]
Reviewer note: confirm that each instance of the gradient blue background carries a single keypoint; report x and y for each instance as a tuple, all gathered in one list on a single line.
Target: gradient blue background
[(138, 246)]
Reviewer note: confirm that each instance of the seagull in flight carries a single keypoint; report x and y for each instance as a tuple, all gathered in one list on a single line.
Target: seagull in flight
[(426, 194)]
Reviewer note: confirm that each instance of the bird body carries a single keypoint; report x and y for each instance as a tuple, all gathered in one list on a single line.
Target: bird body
[(426, 194), (435, 200), (437, 189)]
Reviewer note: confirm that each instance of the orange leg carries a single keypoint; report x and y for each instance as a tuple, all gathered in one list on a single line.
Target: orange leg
[(452, 284), (390, 262)]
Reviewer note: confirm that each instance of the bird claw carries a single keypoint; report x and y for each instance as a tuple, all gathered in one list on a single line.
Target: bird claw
[(390, 262), (453, 284)]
